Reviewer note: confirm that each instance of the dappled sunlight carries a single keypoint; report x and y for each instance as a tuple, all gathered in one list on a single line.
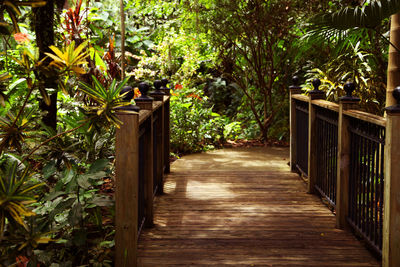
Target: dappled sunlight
[(256, 158), (205, 190), (169, 186)]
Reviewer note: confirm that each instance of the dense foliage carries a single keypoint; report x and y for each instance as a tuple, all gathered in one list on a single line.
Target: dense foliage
[(229, 64)]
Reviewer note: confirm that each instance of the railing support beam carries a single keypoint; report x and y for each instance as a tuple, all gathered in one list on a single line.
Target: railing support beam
[(293, 89), (391, 219), (343, 160), (126, 193)]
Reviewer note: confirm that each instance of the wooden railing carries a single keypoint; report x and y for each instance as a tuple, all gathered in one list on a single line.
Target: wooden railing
[(349, 156), (142, 158)]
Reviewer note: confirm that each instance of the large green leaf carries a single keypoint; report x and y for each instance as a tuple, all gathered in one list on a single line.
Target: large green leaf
[(369, 16)]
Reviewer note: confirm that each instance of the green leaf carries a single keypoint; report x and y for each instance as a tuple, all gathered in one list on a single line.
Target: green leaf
[(49, 170), (17, 82), (68, 175), (83, 181), (98, 165), (99, 62), (53, 195)]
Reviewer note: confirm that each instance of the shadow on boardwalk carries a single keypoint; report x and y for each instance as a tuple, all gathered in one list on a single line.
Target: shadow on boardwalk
[(242, 207)]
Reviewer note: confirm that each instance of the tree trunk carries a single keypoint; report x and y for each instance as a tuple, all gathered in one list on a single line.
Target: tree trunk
[(393, 73), (43, 26)]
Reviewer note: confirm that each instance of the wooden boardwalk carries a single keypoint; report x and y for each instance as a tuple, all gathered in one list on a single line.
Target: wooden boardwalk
[(242, 207)]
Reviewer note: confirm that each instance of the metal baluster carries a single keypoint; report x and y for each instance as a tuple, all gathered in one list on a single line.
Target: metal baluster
[(368, 176)]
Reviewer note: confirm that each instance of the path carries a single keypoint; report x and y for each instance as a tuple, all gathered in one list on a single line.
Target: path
[(242, 207)]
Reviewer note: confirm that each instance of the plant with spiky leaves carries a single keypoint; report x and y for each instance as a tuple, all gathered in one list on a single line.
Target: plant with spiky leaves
[(16, 192), (105, 102)]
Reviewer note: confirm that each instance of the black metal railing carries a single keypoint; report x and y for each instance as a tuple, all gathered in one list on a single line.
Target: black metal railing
[(156, 179), (327, 145), (366, 181), (302, 136)]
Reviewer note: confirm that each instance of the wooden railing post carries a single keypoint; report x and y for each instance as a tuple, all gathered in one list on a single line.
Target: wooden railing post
[(166, 131), (391, 218), (343, 160), (293, 89), (146, 103), (158, 95), (312, 136), (126, 192)]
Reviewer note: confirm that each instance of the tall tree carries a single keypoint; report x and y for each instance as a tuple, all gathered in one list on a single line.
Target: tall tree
[(44, 30), (254, 39)]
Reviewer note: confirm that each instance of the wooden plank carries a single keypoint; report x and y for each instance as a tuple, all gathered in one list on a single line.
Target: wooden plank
[(143, 115), (156, 105), (326, 104), (343, 163), (239, 217), (368, 117), (303, 98), (391, 219), (126, 193), (293, 90)]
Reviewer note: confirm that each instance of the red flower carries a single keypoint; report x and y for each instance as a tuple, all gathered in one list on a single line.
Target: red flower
[(21, 38), (194, 96), (178, 86)]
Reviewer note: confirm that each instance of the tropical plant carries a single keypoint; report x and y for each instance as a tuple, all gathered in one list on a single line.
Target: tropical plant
[(16, 192), (73, 23), (105, 102), (15, 130), (70, 58), (12, 9), (369, 16)]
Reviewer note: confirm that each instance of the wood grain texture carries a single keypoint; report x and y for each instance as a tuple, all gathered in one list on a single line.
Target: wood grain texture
[(326, 104), (391, 219), (236, 215), (303, 98), (368, 117), (126, 181)]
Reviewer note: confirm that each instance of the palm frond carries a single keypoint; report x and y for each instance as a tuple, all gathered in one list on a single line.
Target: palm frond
[(369, 16)]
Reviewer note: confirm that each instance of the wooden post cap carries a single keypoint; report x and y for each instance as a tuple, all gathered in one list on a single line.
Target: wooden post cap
[(395, 109), (157, 94), (349, 88), (316, 93), (144, 89), (144, 101), (127, 94), (295, 85), (164, 88)]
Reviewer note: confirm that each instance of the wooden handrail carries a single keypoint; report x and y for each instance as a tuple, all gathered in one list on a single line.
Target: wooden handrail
[(303, 98), (365, 116), (326, 104), (135, 182), (379, 139)]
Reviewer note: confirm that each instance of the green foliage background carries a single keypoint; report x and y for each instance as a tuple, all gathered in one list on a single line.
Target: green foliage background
[(229, 64)]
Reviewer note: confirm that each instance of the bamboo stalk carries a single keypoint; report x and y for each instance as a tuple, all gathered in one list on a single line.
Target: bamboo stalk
[(393, 73)]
